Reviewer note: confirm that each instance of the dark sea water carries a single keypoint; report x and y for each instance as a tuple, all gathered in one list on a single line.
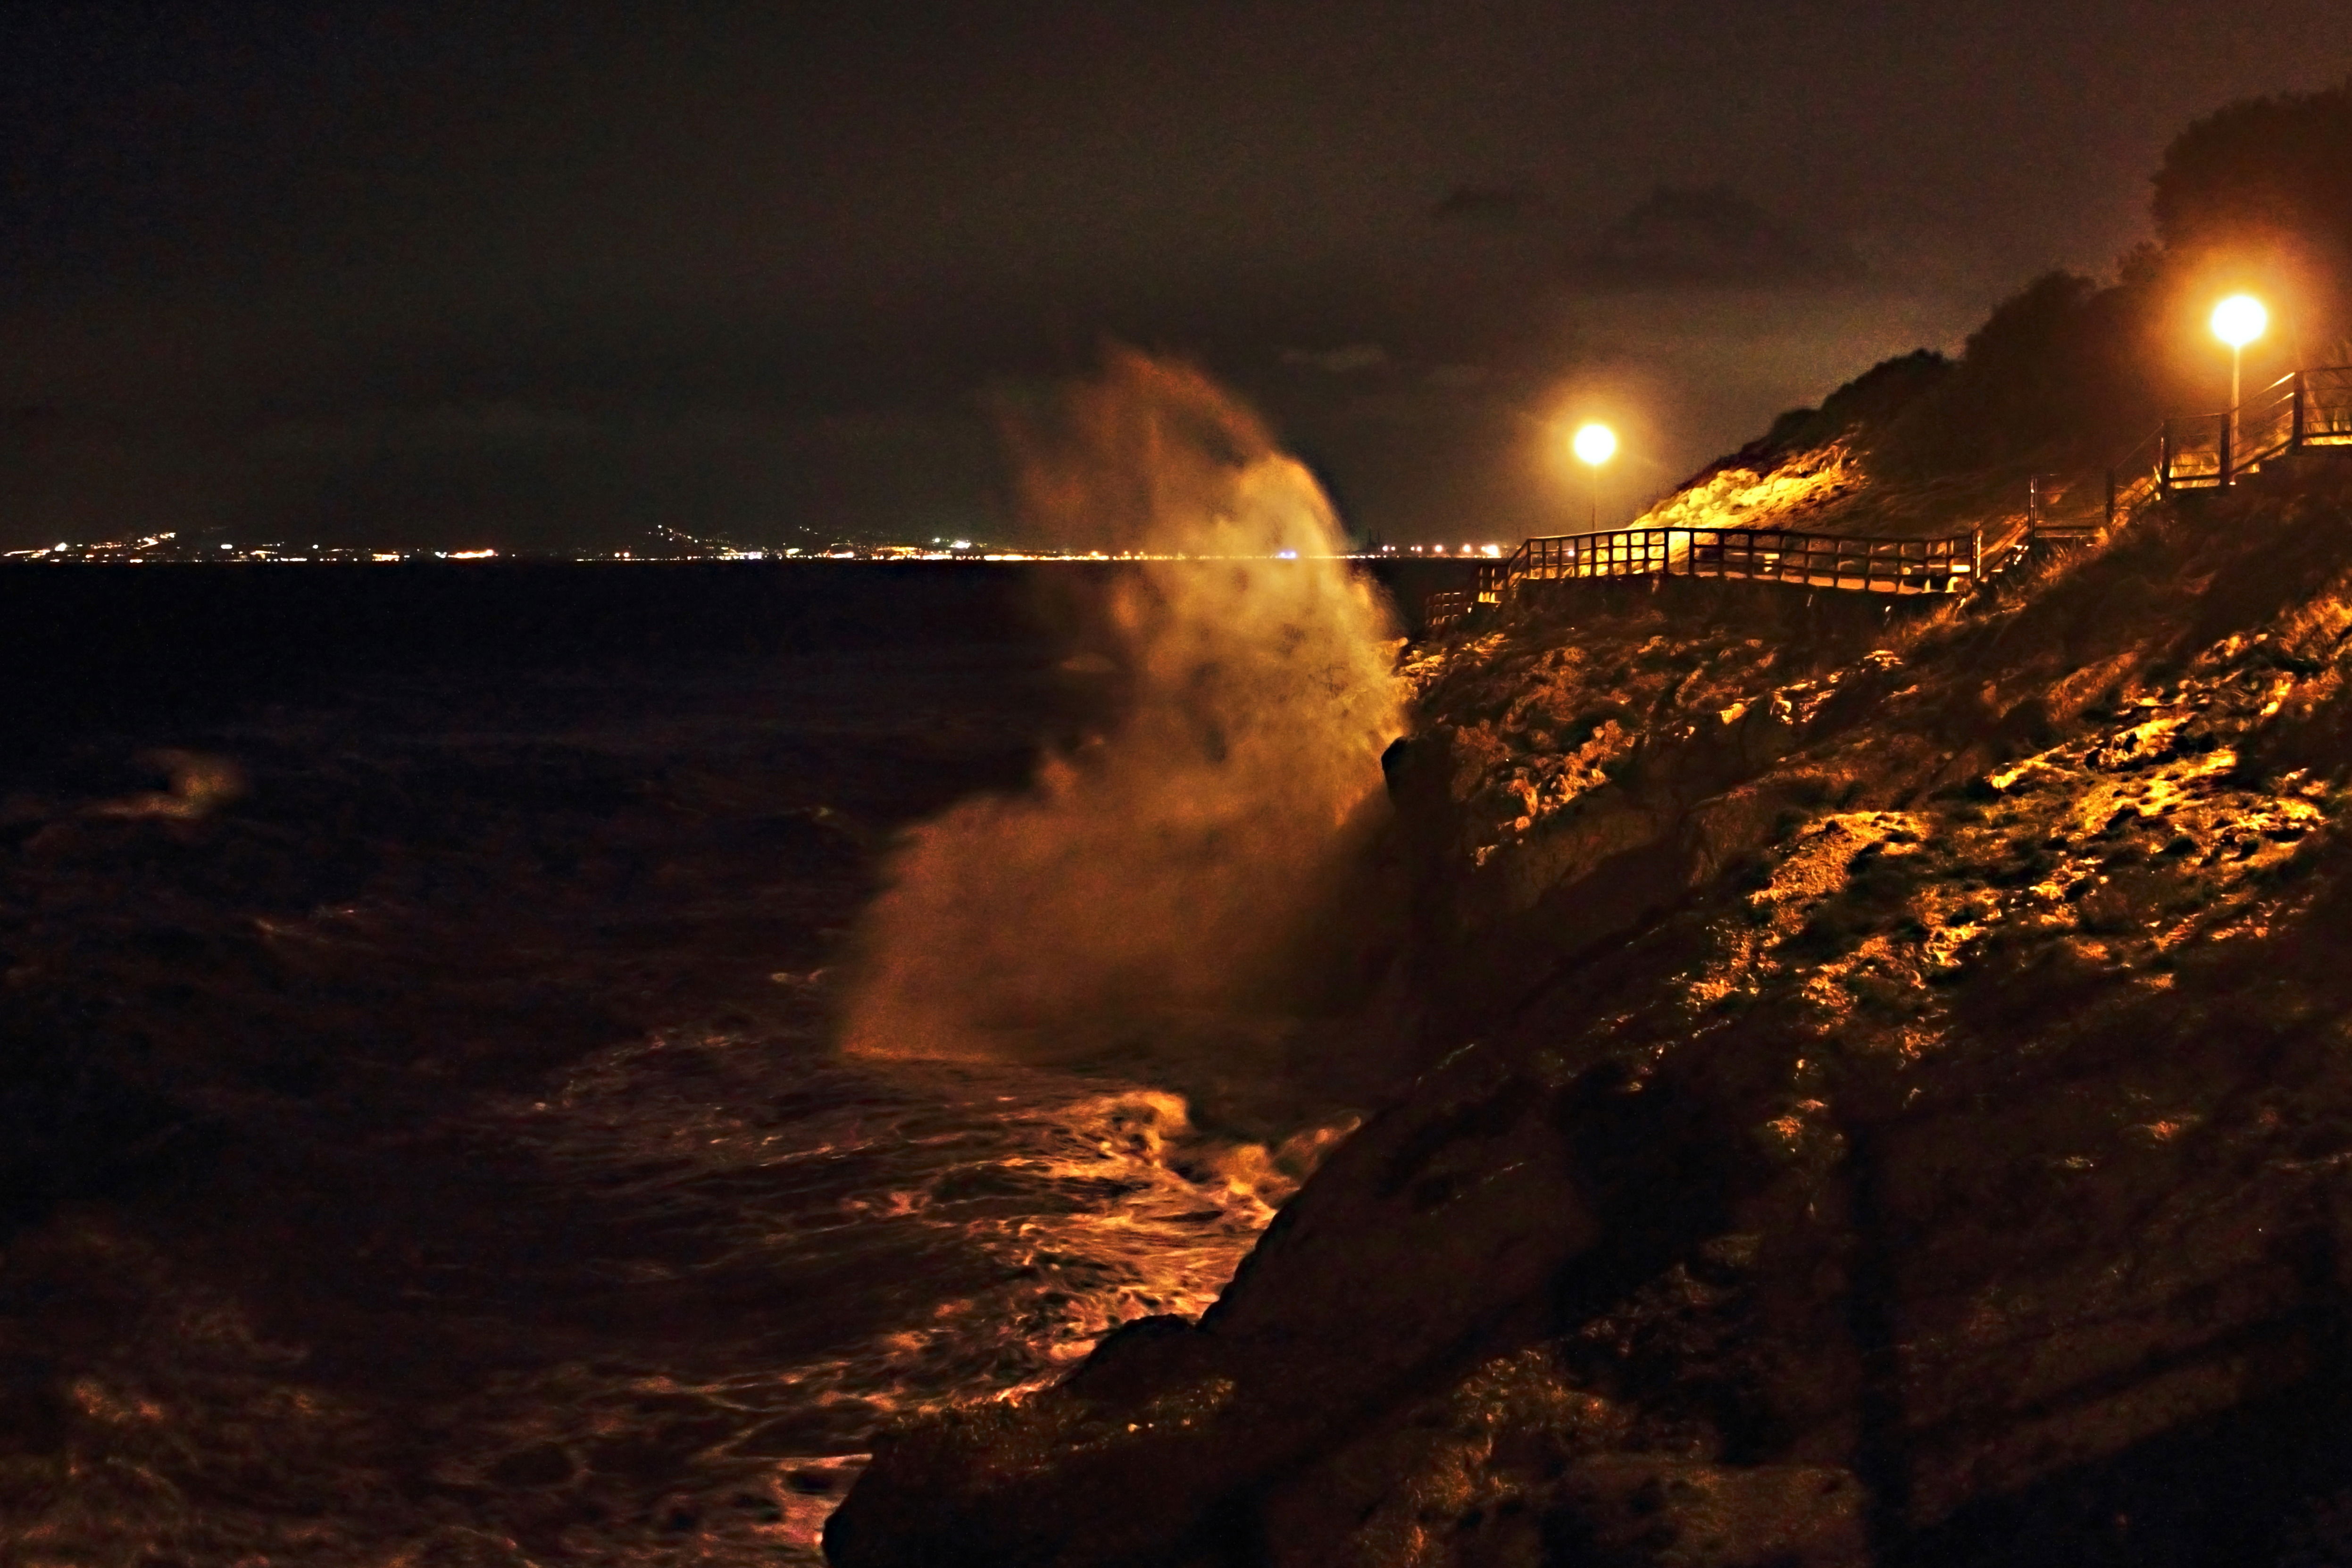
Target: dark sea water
[(419, 1141)]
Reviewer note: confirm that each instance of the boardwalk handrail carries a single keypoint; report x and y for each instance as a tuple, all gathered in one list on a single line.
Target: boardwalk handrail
[(2301, 411), (1445, 609), (1940, 565), (2305, 410)]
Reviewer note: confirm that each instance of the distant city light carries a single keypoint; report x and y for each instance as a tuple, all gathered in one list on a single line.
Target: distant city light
[(678, 546), (2239, 319)]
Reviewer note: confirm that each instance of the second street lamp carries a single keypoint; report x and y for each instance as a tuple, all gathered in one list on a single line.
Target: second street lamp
[(1595, 444)]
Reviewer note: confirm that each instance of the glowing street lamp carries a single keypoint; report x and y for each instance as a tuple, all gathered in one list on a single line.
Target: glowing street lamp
[(1595, 444), (2237, 322)]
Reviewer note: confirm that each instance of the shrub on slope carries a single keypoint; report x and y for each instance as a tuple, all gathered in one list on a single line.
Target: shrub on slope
[(2068, 373)]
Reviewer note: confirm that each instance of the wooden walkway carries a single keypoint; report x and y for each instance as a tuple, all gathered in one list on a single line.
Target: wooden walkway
[(2304, 410), (1902, 566)]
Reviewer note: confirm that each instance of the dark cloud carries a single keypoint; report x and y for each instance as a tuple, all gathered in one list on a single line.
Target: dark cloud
[(1500, 204), (1711, 236), (415, 265)]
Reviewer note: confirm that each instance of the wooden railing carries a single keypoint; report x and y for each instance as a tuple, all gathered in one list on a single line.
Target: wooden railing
[(2307, 410), (2052, 516), (1443, 610), (2302, 411), (1817, 560)]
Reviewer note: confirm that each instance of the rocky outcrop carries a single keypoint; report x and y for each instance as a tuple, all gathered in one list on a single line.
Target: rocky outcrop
[(1898, 1111)]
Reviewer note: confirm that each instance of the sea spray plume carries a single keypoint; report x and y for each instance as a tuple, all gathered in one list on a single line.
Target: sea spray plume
[(1167, 869)]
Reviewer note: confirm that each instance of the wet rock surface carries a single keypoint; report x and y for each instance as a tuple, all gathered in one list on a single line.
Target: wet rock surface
[(1888, 1102)]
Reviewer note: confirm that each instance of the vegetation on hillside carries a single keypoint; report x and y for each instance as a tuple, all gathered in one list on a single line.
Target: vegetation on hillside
[(2069, 373)]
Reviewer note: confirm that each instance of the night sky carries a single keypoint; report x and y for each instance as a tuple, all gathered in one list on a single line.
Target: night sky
[(546, 276)]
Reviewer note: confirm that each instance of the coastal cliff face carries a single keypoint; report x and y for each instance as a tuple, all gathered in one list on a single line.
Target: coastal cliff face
[(1888, 1099)]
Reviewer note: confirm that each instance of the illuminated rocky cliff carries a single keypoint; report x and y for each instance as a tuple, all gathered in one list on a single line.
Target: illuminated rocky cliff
[(1891, 1104)]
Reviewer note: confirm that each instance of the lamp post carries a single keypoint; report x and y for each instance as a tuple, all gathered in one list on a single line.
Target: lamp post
[(2237, 322), (1595, 444)]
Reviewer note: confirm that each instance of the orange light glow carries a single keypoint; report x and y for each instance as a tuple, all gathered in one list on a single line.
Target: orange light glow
[(2239, 319)]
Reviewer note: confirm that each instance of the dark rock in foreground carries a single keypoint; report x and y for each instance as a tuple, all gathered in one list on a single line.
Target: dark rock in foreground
[(1894, 1107)]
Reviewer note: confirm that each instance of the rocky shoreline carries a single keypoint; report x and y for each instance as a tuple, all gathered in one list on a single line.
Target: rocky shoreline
[(1885, 1100)]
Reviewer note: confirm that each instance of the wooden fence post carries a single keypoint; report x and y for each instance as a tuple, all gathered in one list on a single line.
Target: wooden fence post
[(2295, 420)]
